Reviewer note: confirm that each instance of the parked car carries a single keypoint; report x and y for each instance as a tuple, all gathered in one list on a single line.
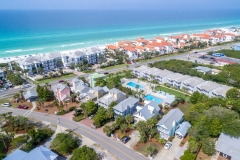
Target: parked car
[(22, 107), (195, 52), (60, 81), (6, 105), (168, 145), (106, 73), (26, 86), (91, 117), (125, 139)]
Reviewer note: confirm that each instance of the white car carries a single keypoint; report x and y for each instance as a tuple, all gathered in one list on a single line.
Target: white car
[(26, 86), (168, 145), (6, 105)]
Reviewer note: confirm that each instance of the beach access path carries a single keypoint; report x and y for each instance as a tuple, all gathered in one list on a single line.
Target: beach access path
[(132, 66)]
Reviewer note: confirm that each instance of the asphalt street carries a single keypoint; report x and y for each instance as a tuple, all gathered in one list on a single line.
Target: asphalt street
[(112, 146)]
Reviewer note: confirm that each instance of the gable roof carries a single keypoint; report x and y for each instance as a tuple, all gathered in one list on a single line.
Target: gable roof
[(205, 69), (182, 130), (38, 153), (170, 117), (228, 145), (129, 102), (18, 154), (60, 87), (145, 111), (29, 94)]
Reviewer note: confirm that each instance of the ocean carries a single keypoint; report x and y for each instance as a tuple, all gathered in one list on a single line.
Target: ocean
[(25, 32)]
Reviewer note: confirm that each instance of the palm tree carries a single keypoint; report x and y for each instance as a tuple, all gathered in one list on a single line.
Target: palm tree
[(5, 129), (151, 149), (114, 126), (110, 113), (123, 128), (16, 96), (55, 103), (21, 93), (73, 96), (66, 104), (2, 137), (60, 71), (107, 129), (127, 66), (50, 74), (129, 119), (41, 102), (47, 85)]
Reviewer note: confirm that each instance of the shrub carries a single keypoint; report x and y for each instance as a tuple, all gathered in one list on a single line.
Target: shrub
[(61, 112), (78, 118), (16, 142), (64, 143), (72, 108)]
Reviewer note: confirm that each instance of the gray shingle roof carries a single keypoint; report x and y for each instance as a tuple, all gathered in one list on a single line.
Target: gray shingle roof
[(141, 68), (59, 86), (194, 81), (145, 111), (221, 90), (163, 73), (209, 86), (183, 129), (170, 117), (202, 68), (129, 102), (229, 145), (29, 94)]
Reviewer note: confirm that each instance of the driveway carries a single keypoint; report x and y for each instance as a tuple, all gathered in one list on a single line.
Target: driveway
[(134, 139), (171, 153)]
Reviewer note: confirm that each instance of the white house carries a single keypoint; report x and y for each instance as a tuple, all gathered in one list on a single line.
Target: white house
[(207, 88), (148, 111), (190, 85), (162, 76), (139, 72)]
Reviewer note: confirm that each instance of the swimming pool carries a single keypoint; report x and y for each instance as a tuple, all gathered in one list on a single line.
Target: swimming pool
[(150, 97), (133, 84)]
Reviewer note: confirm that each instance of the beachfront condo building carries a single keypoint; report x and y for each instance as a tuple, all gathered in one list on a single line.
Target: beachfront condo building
[(47, 62), (89, 54)]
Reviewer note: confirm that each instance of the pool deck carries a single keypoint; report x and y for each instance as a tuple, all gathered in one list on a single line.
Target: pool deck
[(147, 88)]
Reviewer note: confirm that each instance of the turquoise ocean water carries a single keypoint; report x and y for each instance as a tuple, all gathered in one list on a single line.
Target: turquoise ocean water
[(32, 32)]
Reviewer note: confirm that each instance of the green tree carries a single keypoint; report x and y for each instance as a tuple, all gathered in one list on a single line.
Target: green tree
[(233, 93), (110, 113), (129, 119), (215, 127), (193, 145), (100, 117), (40, 70), (123, 128), (187, 155), (64, 143), (112, 104), (84, 153), (21, 93), (151, 149), (208, 146), (2, 138), (107, 129), (91, 107), (195, 97), (100, 82)]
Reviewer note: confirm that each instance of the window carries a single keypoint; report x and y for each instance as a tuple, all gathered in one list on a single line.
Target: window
[(224, 155)]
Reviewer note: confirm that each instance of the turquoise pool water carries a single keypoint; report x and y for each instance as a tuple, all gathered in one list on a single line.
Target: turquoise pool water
[(153, 98), (133, 84)]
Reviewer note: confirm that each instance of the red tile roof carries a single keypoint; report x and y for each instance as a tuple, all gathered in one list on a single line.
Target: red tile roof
[(112, 47), (131, 49)]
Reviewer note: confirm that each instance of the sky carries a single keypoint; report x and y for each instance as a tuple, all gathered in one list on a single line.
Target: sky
[(119, 4)]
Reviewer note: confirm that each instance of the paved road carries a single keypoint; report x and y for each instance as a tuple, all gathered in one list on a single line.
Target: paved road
[(112, 146), (177, 56)]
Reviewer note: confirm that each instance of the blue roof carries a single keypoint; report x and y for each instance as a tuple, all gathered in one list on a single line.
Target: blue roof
[(18, 154), (182, 130), (38, 153), (146, 110)]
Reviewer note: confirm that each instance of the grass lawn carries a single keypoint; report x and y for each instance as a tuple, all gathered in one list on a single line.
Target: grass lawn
[(184, 107), (55, 79), (171, 91), (115, 67), (7, 100), (142, 148)]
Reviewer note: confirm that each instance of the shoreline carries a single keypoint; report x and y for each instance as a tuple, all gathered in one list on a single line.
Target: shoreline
[(102, 46)]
